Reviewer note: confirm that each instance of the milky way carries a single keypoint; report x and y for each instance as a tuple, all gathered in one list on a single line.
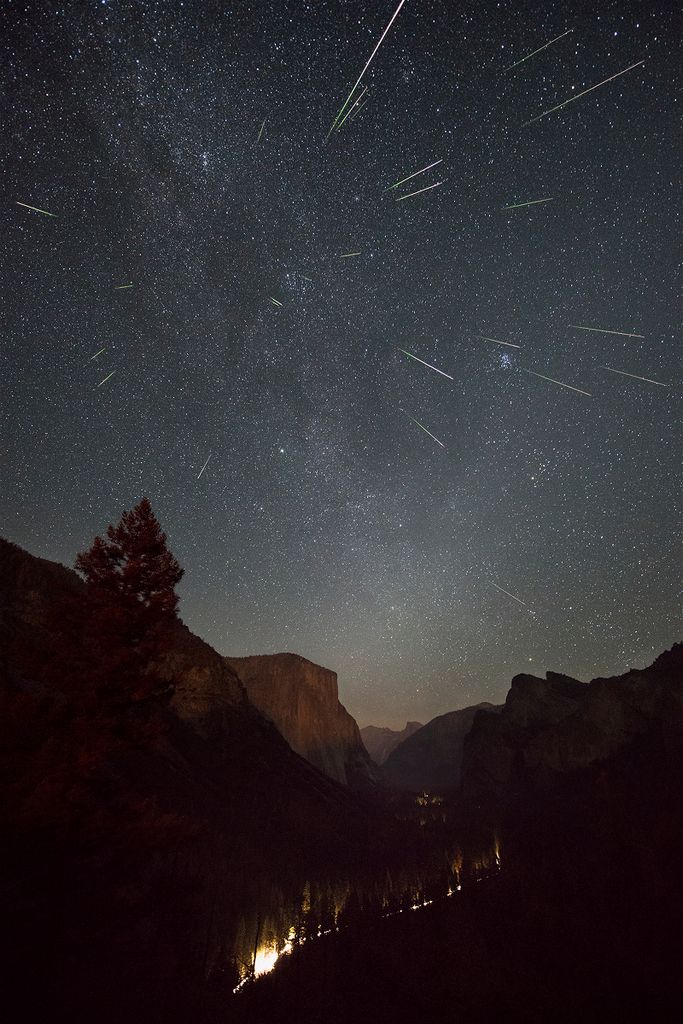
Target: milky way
[(198, 220)]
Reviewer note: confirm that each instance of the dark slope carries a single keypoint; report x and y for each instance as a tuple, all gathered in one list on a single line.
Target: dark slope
[(380, 742), (430, 759)]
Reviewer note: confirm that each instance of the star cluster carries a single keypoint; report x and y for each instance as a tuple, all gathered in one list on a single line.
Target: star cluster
[(181, 149)]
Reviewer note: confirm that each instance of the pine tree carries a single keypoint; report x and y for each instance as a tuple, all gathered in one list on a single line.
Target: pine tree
[(131, 577)]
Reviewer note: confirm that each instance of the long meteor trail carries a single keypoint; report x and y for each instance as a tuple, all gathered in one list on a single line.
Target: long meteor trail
[(353, 107), (496, 342), (418, 360), (531, 202), (96, 355), (413, 175), (580, 94), (635, 376), (553, 381), (425, 430), (106, 378), (357, 83), (508, 594), (36, 208), (204, 467), (345, 255), (601, 330), (534, 52), (419, 191), (120, 287)]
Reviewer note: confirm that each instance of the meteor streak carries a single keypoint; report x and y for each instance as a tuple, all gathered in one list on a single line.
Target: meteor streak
[(507, 592), (353, 107), (261, 131), (275, 301), (426, 431), (435, 185), (36, 208), (204, 466), (418, 360), (532, 202), (635, 376), (534, 52), (601, 330), (413, 175), (106, 378), (119, 287), (345, 254), (580, 94), (553, 381), (346, 101), (495, 340), (96, 355)]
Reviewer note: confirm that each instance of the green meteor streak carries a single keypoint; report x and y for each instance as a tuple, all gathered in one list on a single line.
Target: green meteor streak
[(532, 202), (120, 287), (517, 63), (425, 430), (348, 98), (580, 94), (353, 107), (37, 209)]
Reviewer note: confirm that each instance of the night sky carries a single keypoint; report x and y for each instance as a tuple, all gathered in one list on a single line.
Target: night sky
[(181, 147)]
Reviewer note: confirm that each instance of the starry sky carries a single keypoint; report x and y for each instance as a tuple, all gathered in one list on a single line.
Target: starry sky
[(181, 148)]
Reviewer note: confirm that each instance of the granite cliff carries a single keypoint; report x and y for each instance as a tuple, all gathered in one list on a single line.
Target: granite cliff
[(557, 725), (380, 742), (430, 759), (302, 700)]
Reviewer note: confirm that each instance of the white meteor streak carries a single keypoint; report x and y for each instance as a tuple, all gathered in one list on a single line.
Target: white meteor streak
[(426, 431), (353, 107), (274, 301), (580, 94), (36, 208), (601, 330), (534, 52), (96, 355), (553, 381), (204, 467), (106, 378), (413, 175), (531, 202), (496, 342), (120, 287), (346, 101), (435, 185), (261, 131), (418, 360), (344, 255), (635, 376), (507, 592)]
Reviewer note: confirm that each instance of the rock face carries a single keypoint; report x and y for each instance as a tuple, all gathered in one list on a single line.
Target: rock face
[(380, 742), (301, 699), (431, 758), (556, 725)]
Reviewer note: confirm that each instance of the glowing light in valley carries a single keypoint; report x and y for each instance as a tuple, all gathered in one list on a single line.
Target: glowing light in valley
[(37, 209), (426, 431), (496, 342), (358, 80), (418, 360), (635, 376), (602, 330), (553, 381), (580, 94), (204, 466), (413, 175), (106, 378), (531, 202), (534, 52), (508, 594), (436, 185)]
